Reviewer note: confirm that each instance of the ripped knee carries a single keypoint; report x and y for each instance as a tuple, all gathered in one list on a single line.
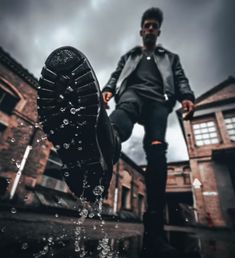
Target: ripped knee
[(156, 142)]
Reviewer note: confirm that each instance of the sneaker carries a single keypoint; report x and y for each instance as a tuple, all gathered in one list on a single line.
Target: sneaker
[(71, 112)]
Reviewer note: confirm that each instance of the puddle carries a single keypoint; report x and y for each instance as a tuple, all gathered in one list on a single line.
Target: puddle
[(123, 248)]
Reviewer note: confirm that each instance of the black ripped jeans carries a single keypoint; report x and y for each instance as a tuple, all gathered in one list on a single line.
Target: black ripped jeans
[(153, 115)]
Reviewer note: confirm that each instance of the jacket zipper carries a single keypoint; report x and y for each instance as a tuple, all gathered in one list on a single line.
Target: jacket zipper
[(166, 97)]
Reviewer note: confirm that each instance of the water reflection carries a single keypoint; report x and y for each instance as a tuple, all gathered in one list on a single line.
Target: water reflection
[(200, 244), (122, 248)]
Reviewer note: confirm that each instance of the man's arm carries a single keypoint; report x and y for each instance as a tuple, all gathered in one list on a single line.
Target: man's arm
[(184, 93), (110, 87)]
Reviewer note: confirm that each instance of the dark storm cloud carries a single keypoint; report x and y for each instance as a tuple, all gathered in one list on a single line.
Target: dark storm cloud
[(202, 32), (224, 37)]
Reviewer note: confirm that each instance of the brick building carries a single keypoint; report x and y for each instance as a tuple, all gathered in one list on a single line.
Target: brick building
[(199, 190), (41, 183), (210, 139)]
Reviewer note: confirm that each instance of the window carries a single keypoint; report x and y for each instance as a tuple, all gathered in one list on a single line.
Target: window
[(205, 133), (54, 165), (230, 125), (2, 129), (7, 101), (125, 198), (140, 204)]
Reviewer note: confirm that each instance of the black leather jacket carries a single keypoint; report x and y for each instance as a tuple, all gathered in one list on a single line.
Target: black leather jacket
[(175, 83)]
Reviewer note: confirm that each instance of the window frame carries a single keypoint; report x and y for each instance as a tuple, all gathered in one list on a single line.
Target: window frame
[(203, 132), (230, 115)]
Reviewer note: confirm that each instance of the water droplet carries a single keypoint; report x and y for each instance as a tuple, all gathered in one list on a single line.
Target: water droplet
[(57, 147), (73, 111), (66, 121), (13, 210), (61, 96), (24, 246), (116, 225), (77, 248), (3, 229), (91, 215), (66, 145), (98, 190), (56, 215), (13, 140), (94, 227), (45, 250), (79, 148), (44, 137), (70, 89), (84, 213), (50, 239), (66, 174), (52, 132)]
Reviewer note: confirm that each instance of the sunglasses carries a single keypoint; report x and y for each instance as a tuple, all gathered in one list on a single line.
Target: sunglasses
[(154, 25)]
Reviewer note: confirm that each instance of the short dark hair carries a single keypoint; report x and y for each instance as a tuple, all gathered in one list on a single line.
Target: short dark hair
[(152, 13)]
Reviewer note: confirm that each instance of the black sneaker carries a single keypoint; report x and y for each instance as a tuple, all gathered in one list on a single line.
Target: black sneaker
[(71, 112)]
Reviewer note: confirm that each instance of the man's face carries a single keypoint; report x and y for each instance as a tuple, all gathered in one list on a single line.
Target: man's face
[(150, 31)]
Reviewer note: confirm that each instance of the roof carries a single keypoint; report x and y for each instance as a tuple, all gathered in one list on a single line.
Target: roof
[(16, 67), (230, 80), (131, 163), (218, 87)]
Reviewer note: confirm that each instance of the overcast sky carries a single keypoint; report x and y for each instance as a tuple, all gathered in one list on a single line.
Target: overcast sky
[(202, 32)]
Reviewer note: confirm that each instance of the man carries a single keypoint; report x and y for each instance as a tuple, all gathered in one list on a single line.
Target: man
[(146, 84)]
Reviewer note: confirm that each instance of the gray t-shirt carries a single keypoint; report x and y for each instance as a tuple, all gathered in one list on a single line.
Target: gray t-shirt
[(146, 79)]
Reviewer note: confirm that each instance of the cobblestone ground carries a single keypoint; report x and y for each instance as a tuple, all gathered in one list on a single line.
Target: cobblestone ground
[(30, 235)]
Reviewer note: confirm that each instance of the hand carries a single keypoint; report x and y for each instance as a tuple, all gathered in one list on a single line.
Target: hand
[(106, 97), (188, 109)]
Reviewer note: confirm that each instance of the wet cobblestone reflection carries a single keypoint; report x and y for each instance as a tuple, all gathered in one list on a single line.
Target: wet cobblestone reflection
[(29, 235)]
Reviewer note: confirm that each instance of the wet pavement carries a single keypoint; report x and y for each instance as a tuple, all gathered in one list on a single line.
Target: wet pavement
[(31, 235)]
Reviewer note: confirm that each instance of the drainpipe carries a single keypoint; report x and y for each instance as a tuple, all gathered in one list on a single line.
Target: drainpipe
[(22, 164), (115, 205)]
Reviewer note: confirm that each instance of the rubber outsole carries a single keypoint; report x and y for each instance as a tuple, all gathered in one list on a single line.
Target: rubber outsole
[(69, 102)]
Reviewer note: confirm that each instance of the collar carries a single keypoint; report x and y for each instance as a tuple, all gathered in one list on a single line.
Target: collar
[(138, 50)]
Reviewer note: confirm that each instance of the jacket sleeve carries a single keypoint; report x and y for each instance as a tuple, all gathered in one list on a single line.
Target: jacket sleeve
[(182, 87), (111, 84)]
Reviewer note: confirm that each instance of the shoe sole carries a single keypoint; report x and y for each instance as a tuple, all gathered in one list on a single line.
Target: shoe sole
[(69, 102)]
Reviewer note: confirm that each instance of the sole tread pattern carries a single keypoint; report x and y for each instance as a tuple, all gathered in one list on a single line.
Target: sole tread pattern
[(68, 108)]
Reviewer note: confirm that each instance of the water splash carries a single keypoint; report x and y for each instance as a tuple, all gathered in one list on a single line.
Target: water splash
[(73, 111), (24, 246), (66, 121), (66, 145), (13, 210), (98, 190)]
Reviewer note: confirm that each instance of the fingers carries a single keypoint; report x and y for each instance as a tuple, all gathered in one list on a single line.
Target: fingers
[(107, 96), (188, 109), (188, 115)]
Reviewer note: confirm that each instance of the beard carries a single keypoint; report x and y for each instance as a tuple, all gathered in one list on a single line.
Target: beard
[(149, 39)]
